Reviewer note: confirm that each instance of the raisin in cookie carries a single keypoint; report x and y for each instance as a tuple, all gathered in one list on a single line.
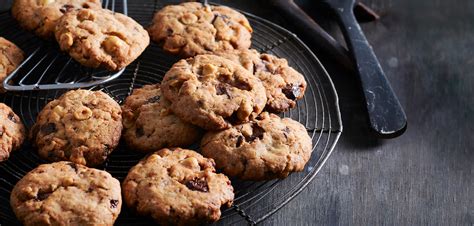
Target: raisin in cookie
[(10, 57), (266, 148), (81, 126), (101, 37), (12, 132), (41, 16), (192, 28), (64, 193), (177, 186), (211, 92), (284, 85), (149, 124)]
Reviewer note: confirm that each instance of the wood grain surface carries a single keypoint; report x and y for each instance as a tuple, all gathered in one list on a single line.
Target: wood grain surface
[(424, 177)]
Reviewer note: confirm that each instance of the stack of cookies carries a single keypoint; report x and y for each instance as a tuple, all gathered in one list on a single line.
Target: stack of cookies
[(223, 95)]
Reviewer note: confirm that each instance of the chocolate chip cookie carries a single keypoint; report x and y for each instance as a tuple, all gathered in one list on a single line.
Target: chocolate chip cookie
[(266, 148), (81, 126), (177, 186), (213, 92), (101, 38), (12, 132), (149, 124), (64, 193), (284, 85), (10, 57), (41, 16), (193, 28)]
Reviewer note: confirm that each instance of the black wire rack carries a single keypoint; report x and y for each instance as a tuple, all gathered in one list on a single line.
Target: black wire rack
[(47, 68), (254, 201)]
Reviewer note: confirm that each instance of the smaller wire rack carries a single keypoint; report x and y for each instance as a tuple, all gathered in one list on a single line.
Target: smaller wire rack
[(57, 70)]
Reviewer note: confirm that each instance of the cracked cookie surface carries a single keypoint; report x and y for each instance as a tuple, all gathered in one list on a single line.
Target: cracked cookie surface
[(283, 84), (192, 28), (64, 193), (81, 126), (101, 38), (149, 124), (268, 147), (10, 57), (177, 186), (12, 132), (41, 16), (212, 92)]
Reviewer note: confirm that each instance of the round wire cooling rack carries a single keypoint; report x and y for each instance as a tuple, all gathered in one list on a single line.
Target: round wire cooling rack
[(254, 201)]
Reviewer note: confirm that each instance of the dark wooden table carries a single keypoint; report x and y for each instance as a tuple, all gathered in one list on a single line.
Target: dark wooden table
[(424, 177)]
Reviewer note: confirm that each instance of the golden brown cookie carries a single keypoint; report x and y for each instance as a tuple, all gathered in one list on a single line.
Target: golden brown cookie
[(41, 16), (213, 92), (12, 132), (149, 124), (268, 147), (101, 38), (10, 57), (81, 126), (283, 84), (177, 186), (64, 193), (191, 28)]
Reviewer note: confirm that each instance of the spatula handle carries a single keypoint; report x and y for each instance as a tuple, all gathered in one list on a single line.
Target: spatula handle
[(386, 115)]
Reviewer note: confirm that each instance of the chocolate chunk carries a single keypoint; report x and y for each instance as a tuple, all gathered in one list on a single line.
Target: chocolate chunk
[(11, 117), (139, 132), (153, 100), (114, 203), (169, 31), (42, 195), (257, 133), (221, 89), (66, 8), (243, 85), (239, 141), (291, 92), (198, 185), (48, 128)]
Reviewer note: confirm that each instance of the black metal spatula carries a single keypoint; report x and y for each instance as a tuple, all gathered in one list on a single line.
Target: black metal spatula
[(386, 115)]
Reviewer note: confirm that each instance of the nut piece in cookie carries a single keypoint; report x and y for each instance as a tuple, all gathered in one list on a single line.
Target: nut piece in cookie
[(64, 193), (41, 16), (101, 38), (266, 148), (283, 84), (10, 58), (213, 92), (191, 28), (81, 126), (177, 186), (149, 124), (12, 132)]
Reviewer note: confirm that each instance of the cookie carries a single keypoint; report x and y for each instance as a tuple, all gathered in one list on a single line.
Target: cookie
[(10, 57), (41, 16), (268, 147), (177, 186), (64, 193), (149, 124), (193, 28), (213, 92), (101, 38), (284, 85), (81, 126), (12, 132)]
